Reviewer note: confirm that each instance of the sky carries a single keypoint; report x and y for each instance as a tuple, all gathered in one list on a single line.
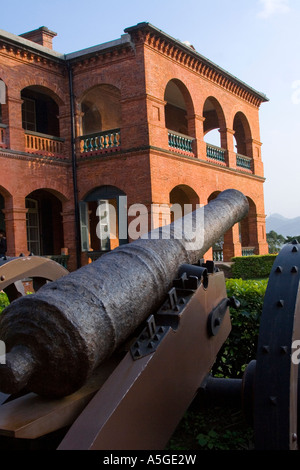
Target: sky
[(255, 40)]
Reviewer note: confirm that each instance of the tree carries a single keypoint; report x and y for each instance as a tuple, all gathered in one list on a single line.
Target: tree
[(275, 241), (289, 239)]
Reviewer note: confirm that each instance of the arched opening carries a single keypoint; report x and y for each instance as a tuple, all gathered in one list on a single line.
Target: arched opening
[(101, 109), (242, 134), (101, 118), (40, 112), (175, 108), (214, 123), (103, 220), (178, 108), (183, 200), (44, 223), (248, 230)]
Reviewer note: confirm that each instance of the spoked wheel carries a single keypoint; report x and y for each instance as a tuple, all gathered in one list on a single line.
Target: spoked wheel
[(276, 372), (14, 270)]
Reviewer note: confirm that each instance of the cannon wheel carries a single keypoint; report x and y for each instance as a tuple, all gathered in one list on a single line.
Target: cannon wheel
[(14, 270), (276, 373)]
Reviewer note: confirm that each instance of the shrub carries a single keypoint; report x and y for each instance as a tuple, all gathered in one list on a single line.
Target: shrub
[(4, 302), (252, 267), (240, 347)]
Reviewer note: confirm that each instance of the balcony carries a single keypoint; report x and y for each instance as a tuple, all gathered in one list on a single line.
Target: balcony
[(215, 154), (60, 259), (43, 144), (246, 251), (180, 142), (244, 163), (100, 142)]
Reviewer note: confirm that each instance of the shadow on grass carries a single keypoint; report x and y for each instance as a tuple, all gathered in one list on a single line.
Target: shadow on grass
[(212, 428)]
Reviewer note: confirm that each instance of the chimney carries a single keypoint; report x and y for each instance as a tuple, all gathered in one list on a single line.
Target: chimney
[(42, 36)]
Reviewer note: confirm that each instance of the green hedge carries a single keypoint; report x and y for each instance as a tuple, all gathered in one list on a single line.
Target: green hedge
[(252, 267), (3, 301), (240, 347)]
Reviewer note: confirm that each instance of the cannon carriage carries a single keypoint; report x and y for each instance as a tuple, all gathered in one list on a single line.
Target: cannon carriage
[(112, 355)]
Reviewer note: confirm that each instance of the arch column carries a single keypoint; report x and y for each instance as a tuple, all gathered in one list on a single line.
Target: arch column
[(160, 215), (64, 129), (15, 227), (227, 144), (15, 129), (158, 133), (195, 127), (68, 223), (254, 150), (232, 245), (257, 234)]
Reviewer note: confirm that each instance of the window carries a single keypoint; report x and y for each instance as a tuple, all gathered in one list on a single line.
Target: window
[(28, 115), (32, 225)]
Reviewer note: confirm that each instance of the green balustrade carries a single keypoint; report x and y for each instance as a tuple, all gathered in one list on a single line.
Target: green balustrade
[(180, 142), (215, 153), (243, 162), (248, 251), (100, 140)]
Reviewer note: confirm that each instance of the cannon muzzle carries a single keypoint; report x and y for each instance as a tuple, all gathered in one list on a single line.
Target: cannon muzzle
[(58, 336)]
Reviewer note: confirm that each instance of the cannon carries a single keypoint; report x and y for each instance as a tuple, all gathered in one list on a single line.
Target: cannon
[(111, 355)]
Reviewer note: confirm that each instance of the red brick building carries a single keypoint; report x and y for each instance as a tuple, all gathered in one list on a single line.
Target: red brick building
[(130, 117)]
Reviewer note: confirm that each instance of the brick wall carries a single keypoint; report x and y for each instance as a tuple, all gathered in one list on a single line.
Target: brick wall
[(143, 167)]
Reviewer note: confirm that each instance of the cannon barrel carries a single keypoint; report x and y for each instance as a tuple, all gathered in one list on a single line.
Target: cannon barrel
[(58, 336)]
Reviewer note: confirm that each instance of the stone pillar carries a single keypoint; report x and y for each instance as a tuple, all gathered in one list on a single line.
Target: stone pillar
[(15, 129), (158, 133), (253, 148), (68, 221), (160, 215), (257, 234), (136, 131), (195, 127), (15, 227), (209, 255), (232, 245), (227, 144), (65, 129)]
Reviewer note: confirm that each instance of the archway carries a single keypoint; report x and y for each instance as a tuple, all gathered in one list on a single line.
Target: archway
[(178, 107), (242, 134), (102, 219), (183, 200), (40, 111), (44, 223), (101, 109), (248, 230)]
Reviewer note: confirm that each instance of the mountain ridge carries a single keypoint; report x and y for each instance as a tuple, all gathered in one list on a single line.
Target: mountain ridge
[(283, 225)]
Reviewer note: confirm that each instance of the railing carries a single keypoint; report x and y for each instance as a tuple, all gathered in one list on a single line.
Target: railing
[(94, 255), (2, 135), (60, 259), (100, 141), (180, 141), (248, 251), (43, 144), (243, 162), (215, 153), (218, 255)]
